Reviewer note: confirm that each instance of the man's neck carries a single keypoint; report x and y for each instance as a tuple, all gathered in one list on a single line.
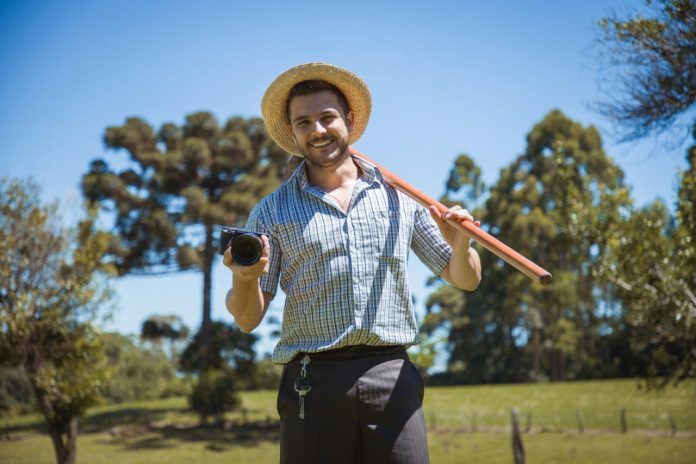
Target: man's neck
[(333, 177)]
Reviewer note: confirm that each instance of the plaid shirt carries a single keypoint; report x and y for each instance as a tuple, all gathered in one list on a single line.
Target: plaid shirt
[(344, 274)]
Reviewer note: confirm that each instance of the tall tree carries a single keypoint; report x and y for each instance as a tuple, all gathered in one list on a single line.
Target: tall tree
[(52, 285), (179, 184), (557, 203), (653, 61), (652, 264)]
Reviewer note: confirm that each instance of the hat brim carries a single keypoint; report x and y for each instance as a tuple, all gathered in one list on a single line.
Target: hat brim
[(274, 102)]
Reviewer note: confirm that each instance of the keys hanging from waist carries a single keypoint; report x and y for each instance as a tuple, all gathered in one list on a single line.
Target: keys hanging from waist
[(302, 384)]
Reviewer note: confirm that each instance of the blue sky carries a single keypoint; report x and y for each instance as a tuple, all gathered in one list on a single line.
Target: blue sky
[(446, 78)]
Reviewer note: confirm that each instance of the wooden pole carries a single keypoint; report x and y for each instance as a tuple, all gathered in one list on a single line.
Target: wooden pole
[(492, 244), (529, 422), (581, 421), (672, 423), (517, 446)]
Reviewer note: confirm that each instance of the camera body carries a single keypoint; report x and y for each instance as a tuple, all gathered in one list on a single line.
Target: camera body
[(247, 247)]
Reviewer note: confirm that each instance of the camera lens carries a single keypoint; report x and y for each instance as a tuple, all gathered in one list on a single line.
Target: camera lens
[(246, 249)]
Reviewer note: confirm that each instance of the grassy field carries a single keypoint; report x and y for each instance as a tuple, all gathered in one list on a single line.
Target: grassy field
[(164, 432)]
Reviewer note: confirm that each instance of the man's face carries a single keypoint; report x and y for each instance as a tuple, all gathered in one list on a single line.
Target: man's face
[(320, 127)]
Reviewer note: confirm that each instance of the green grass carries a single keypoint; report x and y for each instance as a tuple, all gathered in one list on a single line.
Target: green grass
[(120, 433), (553, 405), (445, 448)]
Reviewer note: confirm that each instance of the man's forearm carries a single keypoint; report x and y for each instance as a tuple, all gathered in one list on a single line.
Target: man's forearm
[(465, 268), (246, 303)]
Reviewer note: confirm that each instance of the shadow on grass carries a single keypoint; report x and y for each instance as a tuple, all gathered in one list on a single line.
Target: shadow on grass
[(131, 417), (217, 438), (98, 422)]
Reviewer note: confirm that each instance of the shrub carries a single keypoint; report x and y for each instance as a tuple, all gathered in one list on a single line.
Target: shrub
[(214, 394)]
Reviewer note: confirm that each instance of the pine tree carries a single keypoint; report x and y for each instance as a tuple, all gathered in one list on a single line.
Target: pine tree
[(178, 186)]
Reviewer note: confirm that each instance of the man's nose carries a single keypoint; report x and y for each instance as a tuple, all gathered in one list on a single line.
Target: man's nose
[(318, 128)]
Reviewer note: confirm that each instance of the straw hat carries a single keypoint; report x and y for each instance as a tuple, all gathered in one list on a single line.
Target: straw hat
[(274, 102)]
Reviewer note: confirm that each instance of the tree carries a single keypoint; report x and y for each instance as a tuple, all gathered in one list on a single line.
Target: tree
[(171, 328), (138, 372), (213, 395), (15, 392), (654, 62), (52, 286), (652, 264), (229, 348), (230, 367), (156, 328), (557, 203), (654, 259), (179, 185)]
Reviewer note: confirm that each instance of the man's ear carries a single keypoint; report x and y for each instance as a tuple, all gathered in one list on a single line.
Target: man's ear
[(349, 121)]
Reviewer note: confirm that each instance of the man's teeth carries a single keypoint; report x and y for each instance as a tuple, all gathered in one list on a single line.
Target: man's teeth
[(320, 144)]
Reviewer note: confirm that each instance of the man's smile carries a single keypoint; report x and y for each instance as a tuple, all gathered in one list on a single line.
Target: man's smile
[(323, 143)]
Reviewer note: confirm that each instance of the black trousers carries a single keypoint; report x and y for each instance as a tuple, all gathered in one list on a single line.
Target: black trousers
[(362, 408)]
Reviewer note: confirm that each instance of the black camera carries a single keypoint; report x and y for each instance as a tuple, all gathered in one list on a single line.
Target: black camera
[(246, 246)]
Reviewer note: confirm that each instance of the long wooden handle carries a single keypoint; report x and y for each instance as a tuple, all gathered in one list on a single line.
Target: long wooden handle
[(490, 243)]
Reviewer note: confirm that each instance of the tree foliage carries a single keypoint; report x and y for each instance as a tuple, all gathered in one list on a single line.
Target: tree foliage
[(52, 286), (230, 348), (138, 372), (652, 266), (653, 60), (557, 203), (230, 367), (178, 185), (213, 394), (15, 392), (622, 301)]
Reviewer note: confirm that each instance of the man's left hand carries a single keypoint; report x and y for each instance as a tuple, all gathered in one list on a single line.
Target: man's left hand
[(455, 237)]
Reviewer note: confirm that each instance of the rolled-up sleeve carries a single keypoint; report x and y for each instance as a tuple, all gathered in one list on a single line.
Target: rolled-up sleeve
[(428, 243), (258, 222)]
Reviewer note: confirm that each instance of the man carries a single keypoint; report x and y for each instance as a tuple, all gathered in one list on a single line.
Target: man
[(337, 241)]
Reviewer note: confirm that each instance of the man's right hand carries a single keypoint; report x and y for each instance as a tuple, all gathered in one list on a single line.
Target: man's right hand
[(253, 272)]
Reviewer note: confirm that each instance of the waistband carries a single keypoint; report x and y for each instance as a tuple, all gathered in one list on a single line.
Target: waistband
[(352, 352)]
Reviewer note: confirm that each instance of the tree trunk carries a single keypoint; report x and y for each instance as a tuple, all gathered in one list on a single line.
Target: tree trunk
[(63, 435), (206, 323), (558, 370), (536, 353)]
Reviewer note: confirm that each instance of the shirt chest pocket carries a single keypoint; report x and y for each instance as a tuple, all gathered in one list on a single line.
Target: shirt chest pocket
[(381, 233)]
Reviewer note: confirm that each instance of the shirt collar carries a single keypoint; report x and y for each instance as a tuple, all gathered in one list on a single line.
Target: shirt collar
[(370, 174)]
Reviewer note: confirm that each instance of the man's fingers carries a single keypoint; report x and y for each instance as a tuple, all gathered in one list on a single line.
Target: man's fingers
[(266, 252), (435, 213), (457, 212), (263, 263), (227, 257)]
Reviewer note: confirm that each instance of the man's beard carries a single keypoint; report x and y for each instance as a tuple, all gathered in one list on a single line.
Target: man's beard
[(336, 156)]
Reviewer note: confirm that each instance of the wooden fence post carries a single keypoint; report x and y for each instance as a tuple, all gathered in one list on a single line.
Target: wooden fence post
[(581, 421), (672, 423), (517, 446), (624, 427), (529, 422)]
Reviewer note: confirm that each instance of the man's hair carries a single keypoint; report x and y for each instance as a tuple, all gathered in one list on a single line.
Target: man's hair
[(316, 86)]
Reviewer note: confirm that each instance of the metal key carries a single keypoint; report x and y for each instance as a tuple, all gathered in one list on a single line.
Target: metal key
[(302, 390), (302, 386)]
